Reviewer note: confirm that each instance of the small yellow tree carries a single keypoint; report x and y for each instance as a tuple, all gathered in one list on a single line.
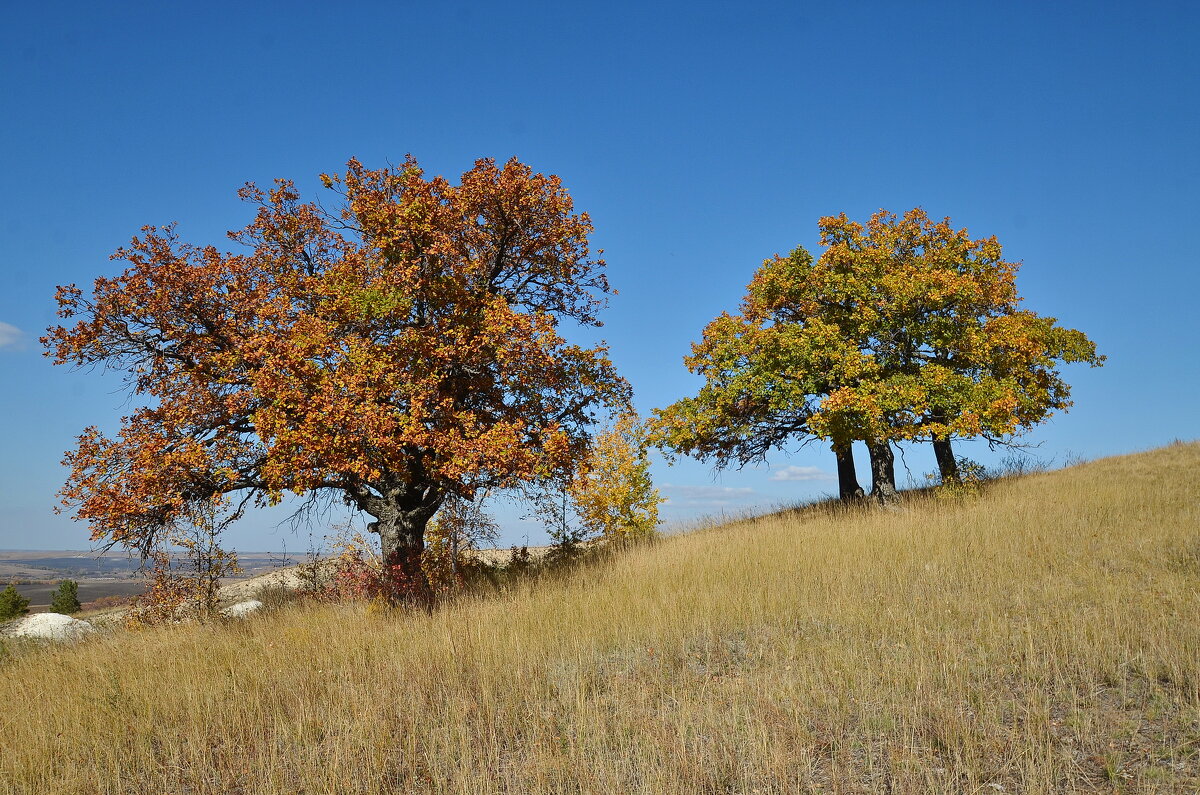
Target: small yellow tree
[(613, 493)]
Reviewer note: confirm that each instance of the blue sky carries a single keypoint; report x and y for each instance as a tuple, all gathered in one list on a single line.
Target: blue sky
[(701, 137)]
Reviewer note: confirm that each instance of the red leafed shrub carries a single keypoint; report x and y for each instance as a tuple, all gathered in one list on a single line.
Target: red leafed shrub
[(357, 572), (107, 602)]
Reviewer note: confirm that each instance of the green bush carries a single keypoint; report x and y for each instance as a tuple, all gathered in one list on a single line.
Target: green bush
[(12, 604), (66, 599)]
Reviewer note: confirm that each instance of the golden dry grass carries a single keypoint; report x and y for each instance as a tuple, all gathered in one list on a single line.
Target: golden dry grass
[(1039, 637)]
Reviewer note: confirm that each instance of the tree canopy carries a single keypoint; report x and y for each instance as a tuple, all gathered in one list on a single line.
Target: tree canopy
[(65, 598), (398, 349), (12, 604), (903, 329)]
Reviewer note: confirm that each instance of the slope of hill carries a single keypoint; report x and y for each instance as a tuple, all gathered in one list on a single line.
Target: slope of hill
[(1038, 637)]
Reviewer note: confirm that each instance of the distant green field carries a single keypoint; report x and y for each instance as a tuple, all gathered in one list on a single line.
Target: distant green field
[(39, 594)]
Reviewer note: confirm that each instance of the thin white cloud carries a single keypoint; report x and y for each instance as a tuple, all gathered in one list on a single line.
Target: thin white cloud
[(707, 496), (10, 335), (709, 492), (795, 474)]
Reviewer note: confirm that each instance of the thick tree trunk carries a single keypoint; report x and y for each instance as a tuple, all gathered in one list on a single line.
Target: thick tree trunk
[(403, 543), (947, 466), (883, 472), (848, 488), (400, 520)]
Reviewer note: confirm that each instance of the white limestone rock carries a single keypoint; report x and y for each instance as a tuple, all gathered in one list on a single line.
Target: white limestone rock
[(243, 609), (52, 626)]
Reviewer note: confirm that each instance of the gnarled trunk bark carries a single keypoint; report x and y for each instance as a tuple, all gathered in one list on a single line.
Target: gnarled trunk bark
[(883, 472), (848, 488), (403, 543), (401, 515)]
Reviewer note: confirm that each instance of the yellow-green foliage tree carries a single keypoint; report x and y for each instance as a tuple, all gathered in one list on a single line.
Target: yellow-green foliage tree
[(939, 316), (12, 604), (65, 598), (904, 329), (613, 493), (767, 371)]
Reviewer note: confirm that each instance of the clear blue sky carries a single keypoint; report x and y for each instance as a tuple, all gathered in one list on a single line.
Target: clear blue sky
[(701, 137)]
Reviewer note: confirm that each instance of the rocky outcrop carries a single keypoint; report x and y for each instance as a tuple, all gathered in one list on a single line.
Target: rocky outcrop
[(50, 626), (242, 609)]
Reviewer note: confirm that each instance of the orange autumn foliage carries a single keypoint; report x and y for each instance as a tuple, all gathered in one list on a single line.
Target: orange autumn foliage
[(400, 349)]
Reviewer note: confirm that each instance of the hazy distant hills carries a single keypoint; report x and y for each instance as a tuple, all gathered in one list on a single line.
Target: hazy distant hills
[(46, 564), (59, 563)]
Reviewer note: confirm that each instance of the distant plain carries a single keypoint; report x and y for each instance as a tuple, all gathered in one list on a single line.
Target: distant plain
[(38, 572)]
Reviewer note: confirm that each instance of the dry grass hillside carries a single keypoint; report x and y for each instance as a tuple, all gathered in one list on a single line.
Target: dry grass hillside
[(1038, 637)]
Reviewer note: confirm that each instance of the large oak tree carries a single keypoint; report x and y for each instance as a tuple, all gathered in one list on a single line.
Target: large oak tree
[(399, 349)]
